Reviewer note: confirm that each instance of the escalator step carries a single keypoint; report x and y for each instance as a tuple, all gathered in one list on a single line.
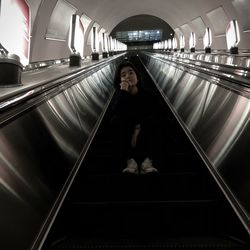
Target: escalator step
[(204, 243)]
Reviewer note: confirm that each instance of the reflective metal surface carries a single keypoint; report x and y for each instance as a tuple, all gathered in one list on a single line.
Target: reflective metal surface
[(217, 119), (41, 143), (235, 68), (239, 60)]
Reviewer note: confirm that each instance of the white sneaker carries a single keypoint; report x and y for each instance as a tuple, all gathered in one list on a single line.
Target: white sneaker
[(147, 167), (132, 167)]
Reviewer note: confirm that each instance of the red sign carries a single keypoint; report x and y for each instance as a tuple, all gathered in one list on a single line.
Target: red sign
[(15, 28)]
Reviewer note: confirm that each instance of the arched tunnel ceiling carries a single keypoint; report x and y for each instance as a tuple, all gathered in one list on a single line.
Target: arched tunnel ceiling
[(109, 13), (183, 16), (144, 22)]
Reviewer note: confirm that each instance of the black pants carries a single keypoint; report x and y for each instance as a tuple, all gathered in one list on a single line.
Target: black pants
[(147, 141)]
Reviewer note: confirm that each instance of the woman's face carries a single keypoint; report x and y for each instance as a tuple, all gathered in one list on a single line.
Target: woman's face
[(128, 75)]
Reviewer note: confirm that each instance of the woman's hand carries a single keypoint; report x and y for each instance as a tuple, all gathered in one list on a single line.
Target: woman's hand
[(124, 85), (135, 136)]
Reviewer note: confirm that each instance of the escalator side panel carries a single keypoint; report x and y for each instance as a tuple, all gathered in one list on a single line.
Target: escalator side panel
[(217, 121), (40, 148)]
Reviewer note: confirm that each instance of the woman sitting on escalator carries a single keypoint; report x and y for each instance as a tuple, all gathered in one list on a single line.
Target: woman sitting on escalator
[(135, 113)]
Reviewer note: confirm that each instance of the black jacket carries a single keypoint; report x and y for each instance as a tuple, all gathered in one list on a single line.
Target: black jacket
[(135, 109)]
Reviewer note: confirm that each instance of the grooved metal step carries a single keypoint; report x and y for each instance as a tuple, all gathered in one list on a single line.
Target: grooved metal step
[(203, 243)]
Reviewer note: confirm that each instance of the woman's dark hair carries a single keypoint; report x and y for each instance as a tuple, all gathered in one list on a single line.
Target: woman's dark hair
[(117, 78)]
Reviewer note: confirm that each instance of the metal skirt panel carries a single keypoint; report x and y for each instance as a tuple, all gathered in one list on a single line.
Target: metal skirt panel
[(40, 147), (217, 118)]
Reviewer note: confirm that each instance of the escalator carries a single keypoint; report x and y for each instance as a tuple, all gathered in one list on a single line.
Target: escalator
[(181, 207)]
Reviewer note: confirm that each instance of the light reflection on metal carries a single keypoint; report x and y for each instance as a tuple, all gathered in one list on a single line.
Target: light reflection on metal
[(241, 72), (57, 124), (216, 58), (9, 188), (42, 64), (228, 75), (8, 163), (229, 60), (208, 57), (40, 148), (216, 67), (7, 171), (61, 103), (209, 97), (80, 89), (230, 132), (12, 178), (57, 61), (218, 119), (17, 99), (90, 90), (182, 94), (199, 93)]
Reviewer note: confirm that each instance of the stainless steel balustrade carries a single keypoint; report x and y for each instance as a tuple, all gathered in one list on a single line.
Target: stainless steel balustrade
[(43, 139), (215, 113), (224, 66)]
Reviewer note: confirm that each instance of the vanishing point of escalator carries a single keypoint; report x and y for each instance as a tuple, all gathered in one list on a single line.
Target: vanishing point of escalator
[(181, 207)]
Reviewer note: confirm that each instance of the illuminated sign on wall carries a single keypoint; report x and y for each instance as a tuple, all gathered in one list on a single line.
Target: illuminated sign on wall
[(139, 35), (15, 28)]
